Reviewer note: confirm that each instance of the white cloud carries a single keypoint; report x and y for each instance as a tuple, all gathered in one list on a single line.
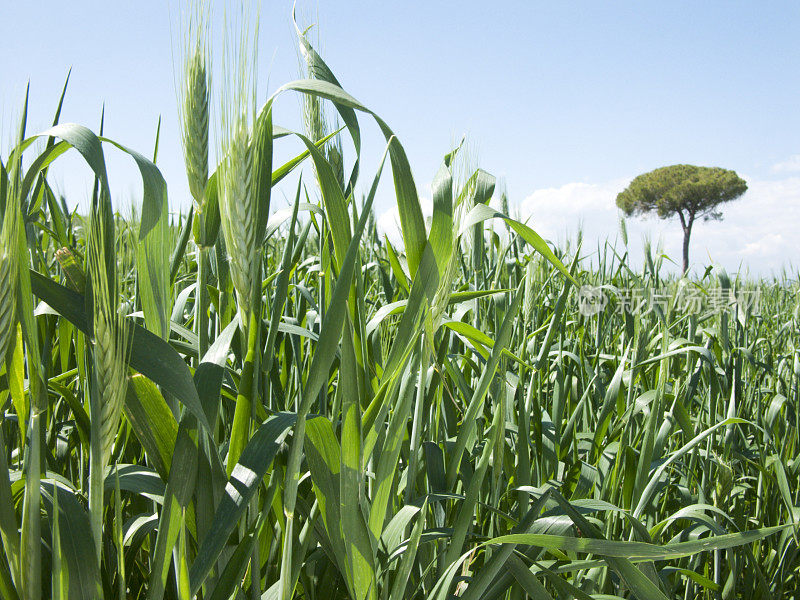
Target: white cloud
[(388, 223), (770, 244), (790, 165), (557, 211)]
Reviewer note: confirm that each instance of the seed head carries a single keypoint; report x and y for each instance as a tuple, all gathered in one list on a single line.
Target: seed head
[(238, 205), (194, 119), (7, 287), (109, 326), (9, 238), (238, 210), (527, 307)]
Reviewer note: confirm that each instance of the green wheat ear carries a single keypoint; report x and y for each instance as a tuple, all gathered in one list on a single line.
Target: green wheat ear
[(238, 209), (315, 119), (238, 205), (194, 106), (195, 123), (8, 273), (110, 327), (530, 290), (6, 302)]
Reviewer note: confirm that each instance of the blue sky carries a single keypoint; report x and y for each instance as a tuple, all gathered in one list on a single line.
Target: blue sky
[(566, 101)]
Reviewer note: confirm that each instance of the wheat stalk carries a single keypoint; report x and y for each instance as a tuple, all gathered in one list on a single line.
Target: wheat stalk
[(109, 352), (193, 104)]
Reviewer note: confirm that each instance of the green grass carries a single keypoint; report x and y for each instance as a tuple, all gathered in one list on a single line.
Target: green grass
[(427, 420)]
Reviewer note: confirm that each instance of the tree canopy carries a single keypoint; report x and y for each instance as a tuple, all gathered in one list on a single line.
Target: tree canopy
[(694, 191), (685, 190)]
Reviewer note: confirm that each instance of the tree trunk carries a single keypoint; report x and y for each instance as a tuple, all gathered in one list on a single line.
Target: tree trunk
[(687, 233)]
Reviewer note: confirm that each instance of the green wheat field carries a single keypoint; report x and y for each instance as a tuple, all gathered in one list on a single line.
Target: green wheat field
[(242, 402)]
